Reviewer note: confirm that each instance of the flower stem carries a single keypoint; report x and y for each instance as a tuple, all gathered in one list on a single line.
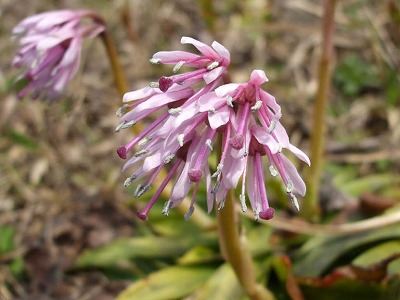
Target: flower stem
[(200, 218), (311, 209), (119, 75), (235, 251)]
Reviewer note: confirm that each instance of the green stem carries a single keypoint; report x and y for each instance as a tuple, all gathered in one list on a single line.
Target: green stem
[(235, 251), (119, 75), (311, 209)]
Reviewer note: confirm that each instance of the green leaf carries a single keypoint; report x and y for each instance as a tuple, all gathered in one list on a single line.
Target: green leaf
[(223, 284), (377, 254), (125, 249), (198, 254), (6, 239), (394, 267), (344, 289), (167, 284), (22, 139), (371, 183), (319, 253)]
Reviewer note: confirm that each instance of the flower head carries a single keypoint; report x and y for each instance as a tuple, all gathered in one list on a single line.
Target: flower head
[(192, 117), (49, 49)]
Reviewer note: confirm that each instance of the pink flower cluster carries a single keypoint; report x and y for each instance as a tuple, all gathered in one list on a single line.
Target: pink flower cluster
[(49, 49), (194, 109)]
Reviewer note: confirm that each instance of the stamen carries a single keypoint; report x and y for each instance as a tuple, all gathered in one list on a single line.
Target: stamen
[(174, 111), (167, 207), (178, 66), (209, 144), (229, 100), (242, 199), (144, 141), (213, 65), (141, 152), (218, 171), (216, 187), (154, 60), (280, 149), (272, 126), (211, 110), (129, 124), (180, 139), (294, 201), (221, 204), (121, 110), (154, 84), (169, 158), (256, 215), (289, 186), (129, 180), (141, 191), (189, 213), (119, 127), (273, 171), (256, 106)]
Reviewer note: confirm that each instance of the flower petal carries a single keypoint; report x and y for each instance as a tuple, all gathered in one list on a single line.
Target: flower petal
[(219, 118), (203, 48), (221, 50), (294, 176), (173, 57), (213, 74), (225, 89)]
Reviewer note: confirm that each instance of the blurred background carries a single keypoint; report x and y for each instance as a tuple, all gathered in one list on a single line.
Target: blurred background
[(61, 187)]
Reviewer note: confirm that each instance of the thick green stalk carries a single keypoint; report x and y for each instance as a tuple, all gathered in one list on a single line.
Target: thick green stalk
[(311, 209), (235, 251)]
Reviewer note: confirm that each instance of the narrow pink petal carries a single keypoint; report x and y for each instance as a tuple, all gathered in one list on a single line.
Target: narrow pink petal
[(139, 94), (235, 169), (173, 57), (213, 74), (56, 18), (219, 118), (281, 135), (221, 50), (271, 103), (153, 161), (182, 185), (223, 90), (209, 101), (300, 154), (292, 173), (47, 42), (265, 138), (258, 77), (163, 99), (203, 48)]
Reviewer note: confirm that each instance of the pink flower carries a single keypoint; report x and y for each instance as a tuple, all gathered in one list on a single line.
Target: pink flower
[(257, 133), (211, 65), (191, 118), (49, 49)]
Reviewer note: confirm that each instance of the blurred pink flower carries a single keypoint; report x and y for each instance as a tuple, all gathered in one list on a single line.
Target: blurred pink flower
[(49, 49), (191, 117)]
